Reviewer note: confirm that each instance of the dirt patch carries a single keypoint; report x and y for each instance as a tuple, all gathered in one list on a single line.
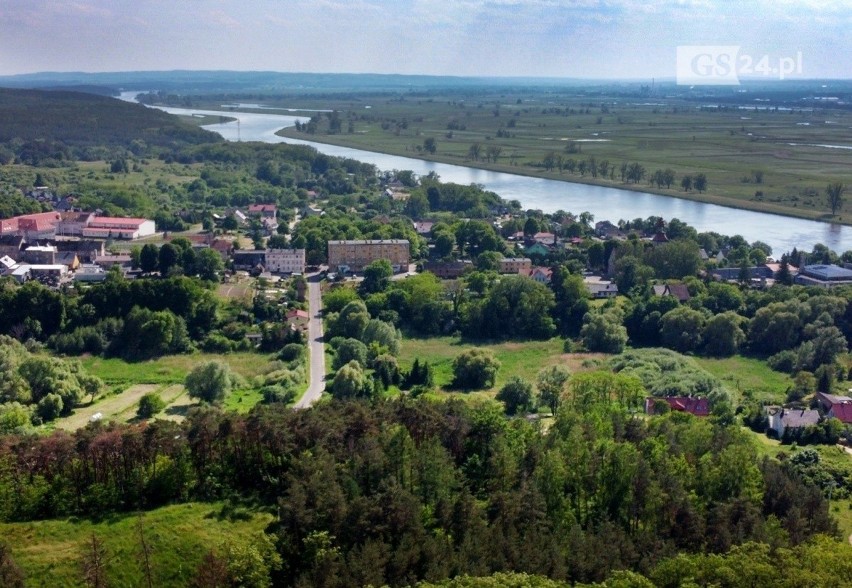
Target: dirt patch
[(109, 408), (177, 405)]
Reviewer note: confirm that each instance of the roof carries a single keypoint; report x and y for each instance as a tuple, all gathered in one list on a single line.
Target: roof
[(116, 220), (370, 242), (842, 411), (262, 208), (297, 314), (828, 272), (798, 417), (692, 405), (660, 237), (679, 291)]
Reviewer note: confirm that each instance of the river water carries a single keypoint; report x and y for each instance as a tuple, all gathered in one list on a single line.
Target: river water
[(780, 232)]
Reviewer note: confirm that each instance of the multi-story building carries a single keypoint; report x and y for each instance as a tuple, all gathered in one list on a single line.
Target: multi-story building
[(515, 265), (355, 255), (32, 227), (285, 261)]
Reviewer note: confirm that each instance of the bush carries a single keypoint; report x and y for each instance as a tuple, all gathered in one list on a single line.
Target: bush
[(475, 368), (278, 394), (49, 407), (149, 405), (292, 352), (782, 361), (209, 382)]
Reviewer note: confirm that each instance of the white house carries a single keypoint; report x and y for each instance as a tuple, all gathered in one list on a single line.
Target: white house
[(105, 227), (285, 261)]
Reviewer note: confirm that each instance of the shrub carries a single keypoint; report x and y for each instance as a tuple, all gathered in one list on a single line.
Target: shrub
[(149, 405)]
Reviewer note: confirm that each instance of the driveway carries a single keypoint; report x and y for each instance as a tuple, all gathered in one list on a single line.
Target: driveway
[(316, 376)]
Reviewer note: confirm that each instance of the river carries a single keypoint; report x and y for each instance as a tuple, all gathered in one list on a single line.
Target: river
[(780, 232)]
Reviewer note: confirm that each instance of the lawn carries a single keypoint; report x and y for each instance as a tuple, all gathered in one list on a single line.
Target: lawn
[(49, 552), (524, 359), (748, 375), (171, 369)]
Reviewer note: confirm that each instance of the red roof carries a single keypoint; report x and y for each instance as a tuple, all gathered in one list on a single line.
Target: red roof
[(696, 406), (842, 411), (262, 208), (118, 220), (297, 314)]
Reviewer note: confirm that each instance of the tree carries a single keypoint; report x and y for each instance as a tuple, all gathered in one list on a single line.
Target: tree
[(834, 192), (149, 405), (430, 145), (383, 334), (475, 368), (167, 258), (209, 382), (350, 350), (723, 334), (209, 264), (444, 243), (686, 183), (516, 395), (377, 276), (699, 182), (351, 321), (349, 382), (681, 329), (551, 385), (149, 258), (603, 332), (49, 407)]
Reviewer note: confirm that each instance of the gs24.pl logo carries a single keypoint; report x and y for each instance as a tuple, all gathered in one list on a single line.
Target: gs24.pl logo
[(722, 65)]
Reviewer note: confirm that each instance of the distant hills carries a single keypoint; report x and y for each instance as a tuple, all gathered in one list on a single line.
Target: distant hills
[(78, 121)]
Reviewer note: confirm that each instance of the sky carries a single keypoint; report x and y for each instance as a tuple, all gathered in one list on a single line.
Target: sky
[(599, 39)]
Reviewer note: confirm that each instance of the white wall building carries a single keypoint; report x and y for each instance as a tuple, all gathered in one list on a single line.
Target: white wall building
[(104, 227), (285, 261)]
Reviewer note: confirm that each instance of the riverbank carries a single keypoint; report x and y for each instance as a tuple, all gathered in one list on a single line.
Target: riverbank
[(705, 197)]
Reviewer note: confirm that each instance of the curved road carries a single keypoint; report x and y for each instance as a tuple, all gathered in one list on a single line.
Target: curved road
[(316, 374)]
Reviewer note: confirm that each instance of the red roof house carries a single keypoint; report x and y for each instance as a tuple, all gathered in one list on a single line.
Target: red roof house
[(692, 405)]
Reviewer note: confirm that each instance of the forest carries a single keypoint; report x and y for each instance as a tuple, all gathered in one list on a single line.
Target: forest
[(395, 492)]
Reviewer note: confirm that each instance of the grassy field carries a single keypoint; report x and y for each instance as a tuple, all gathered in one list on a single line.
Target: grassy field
[(746, 375), (524, 359), (49, 552), (730, 146), (171, 369)]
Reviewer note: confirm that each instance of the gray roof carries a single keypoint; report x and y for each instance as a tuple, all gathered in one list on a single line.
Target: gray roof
[(827, 272), (799, 417), (370, 242)]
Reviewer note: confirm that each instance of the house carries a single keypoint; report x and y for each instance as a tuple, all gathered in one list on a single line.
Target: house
[(679, 291), (828, 401), (240, 217), (86, 249), (515, 265), (90, 273), (11, 245), (107, 261), (448, 270), (423, 227), (6, 264), (285, 261), (311, 211), (659, 238), (782, 419), (545, 238), (249, 259), (824, 276), (732, 274), (693, 405), (263, 210), (542, 275), (297, 318), (223, 247), (32, 227), (67, 258), (356, 254), (606, 230), (40, 254), (600, 288), (73, 223), (536, 248)]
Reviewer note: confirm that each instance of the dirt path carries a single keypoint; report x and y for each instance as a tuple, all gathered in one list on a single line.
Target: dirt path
[(110, 408)]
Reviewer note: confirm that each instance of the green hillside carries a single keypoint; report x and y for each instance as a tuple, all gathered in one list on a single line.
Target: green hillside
[(71, 124)]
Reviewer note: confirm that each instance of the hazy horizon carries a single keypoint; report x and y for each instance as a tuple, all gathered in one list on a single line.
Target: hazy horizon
[(612, 40)]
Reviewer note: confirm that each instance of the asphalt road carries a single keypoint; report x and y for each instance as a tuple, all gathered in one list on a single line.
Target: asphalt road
[(316, 374)]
